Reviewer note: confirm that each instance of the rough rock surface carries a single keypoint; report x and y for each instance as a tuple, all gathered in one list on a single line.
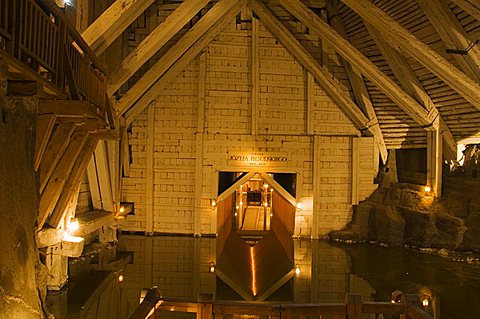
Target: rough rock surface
[(19, 297)]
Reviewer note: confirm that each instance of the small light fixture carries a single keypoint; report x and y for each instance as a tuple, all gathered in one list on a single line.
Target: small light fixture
[(299, 205), (236, 214), (265, 186), (428, 189), (121, 278), (241, 203), (265, 204), (297, 270), (213, 202), (425, 302), (271, 214), (122, 209), (392, 301), (212, 268), (73, 225)]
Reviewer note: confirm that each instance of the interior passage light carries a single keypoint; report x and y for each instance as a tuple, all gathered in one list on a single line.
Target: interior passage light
[(297, 270), (122, 209), (425, 302), (120, 278), (265, 186), (212, 268), (299, 205), (213, 202), (428, 189)]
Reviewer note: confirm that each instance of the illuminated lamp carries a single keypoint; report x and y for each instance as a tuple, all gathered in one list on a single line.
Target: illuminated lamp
[(213, 202), (299, 205), (428, 189), (73, 225), (425, 302), (297, 270), (212, 268)]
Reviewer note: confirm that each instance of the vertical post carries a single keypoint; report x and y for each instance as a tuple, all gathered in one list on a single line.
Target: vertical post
[(435, 161), (202, 74), (355, 169), (310, 94), (354, 306), (205, 306), (255, 74), (316, 186), (149, 187)]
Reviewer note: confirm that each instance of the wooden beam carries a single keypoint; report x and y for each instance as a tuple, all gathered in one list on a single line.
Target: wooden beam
[(21, 88), (255, 71), (320, 73), (43, 132), (397, 35), (68, 109), (150, 171), (453, 35), (93, 184), (112, 22), (176, 52), (358, 86), (153, 42), (56, 182), (103, 174), (55, 149), (472, 7), (186, 58), (71, 184), (355, 58), (410, 83), (202, 92)]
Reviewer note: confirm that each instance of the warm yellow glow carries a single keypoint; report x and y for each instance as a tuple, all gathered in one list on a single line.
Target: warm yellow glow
[(237, 207), (241, 203), (428, 189), (271, 214), (122, 209), (73, 225), (265, 204), (71, 239), (299, 205), (297, 270), (120, 278), (212, 267), (236, 214), (392, 301), (265, 186), (425, 302), (213, 202), (254, 280)]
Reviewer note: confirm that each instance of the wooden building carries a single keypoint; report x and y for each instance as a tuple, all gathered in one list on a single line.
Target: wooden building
[(149, 115)]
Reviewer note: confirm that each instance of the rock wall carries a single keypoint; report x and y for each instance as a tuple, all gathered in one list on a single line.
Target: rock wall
[(19, 297), (404, 214)]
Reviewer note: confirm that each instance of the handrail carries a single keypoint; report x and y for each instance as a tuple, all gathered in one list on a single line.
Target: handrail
[(354, 307), (37, 36)]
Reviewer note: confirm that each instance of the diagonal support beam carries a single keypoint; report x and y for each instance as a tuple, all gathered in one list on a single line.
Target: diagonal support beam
[(70, 189), (153, 42), (410, 83), (470, 6), (173, 54), (355, 58), (358, 85), (321, 74), (453, 35), (397, 35), (184, 60), (112, 22)]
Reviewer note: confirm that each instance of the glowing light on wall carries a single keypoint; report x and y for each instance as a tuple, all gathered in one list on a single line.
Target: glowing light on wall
[(254, 280), (297, 270), (428, 189), (212, 268), (73, 225)]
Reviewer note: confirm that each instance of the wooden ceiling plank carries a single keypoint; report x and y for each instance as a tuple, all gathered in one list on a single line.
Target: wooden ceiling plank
[(358, 85), (470, 6), (55, 148), (153, 42), (410, 83), (453, 35), (71, 184), (112, 22), (173, 55), (44, 130), (321, 74), (56, 182), (402, 38), (355, 58), (184, 60)]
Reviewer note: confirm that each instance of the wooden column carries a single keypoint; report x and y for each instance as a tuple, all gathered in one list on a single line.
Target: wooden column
[(355, 169), (255, 74), (434, 161), (149, 188), (202, 74), (316, 186), (310, 95)]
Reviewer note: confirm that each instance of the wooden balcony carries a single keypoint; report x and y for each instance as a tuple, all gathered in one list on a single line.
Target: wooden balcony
[(38, 44)]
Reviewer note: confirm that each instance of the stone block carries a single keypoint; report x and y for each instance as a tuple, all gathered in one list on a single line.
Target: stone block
[(389, 225)]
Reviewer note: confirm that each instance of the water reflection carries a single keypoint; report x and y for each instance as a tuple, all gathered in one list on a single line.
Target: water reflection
[(180, 267)]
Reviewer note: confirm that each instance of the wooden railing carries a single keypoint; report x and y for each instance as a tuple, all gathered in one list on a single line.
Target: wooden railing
[(36, 34), (404, 306)]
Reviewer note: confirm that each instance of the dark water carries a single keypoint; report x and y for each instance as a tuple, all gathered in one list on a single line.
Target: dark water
[(179, 266)]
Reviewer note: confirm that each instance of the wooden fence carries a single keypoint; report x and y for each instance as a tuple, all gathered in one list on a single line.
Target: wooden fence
[(404, 306), (36, 34)]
